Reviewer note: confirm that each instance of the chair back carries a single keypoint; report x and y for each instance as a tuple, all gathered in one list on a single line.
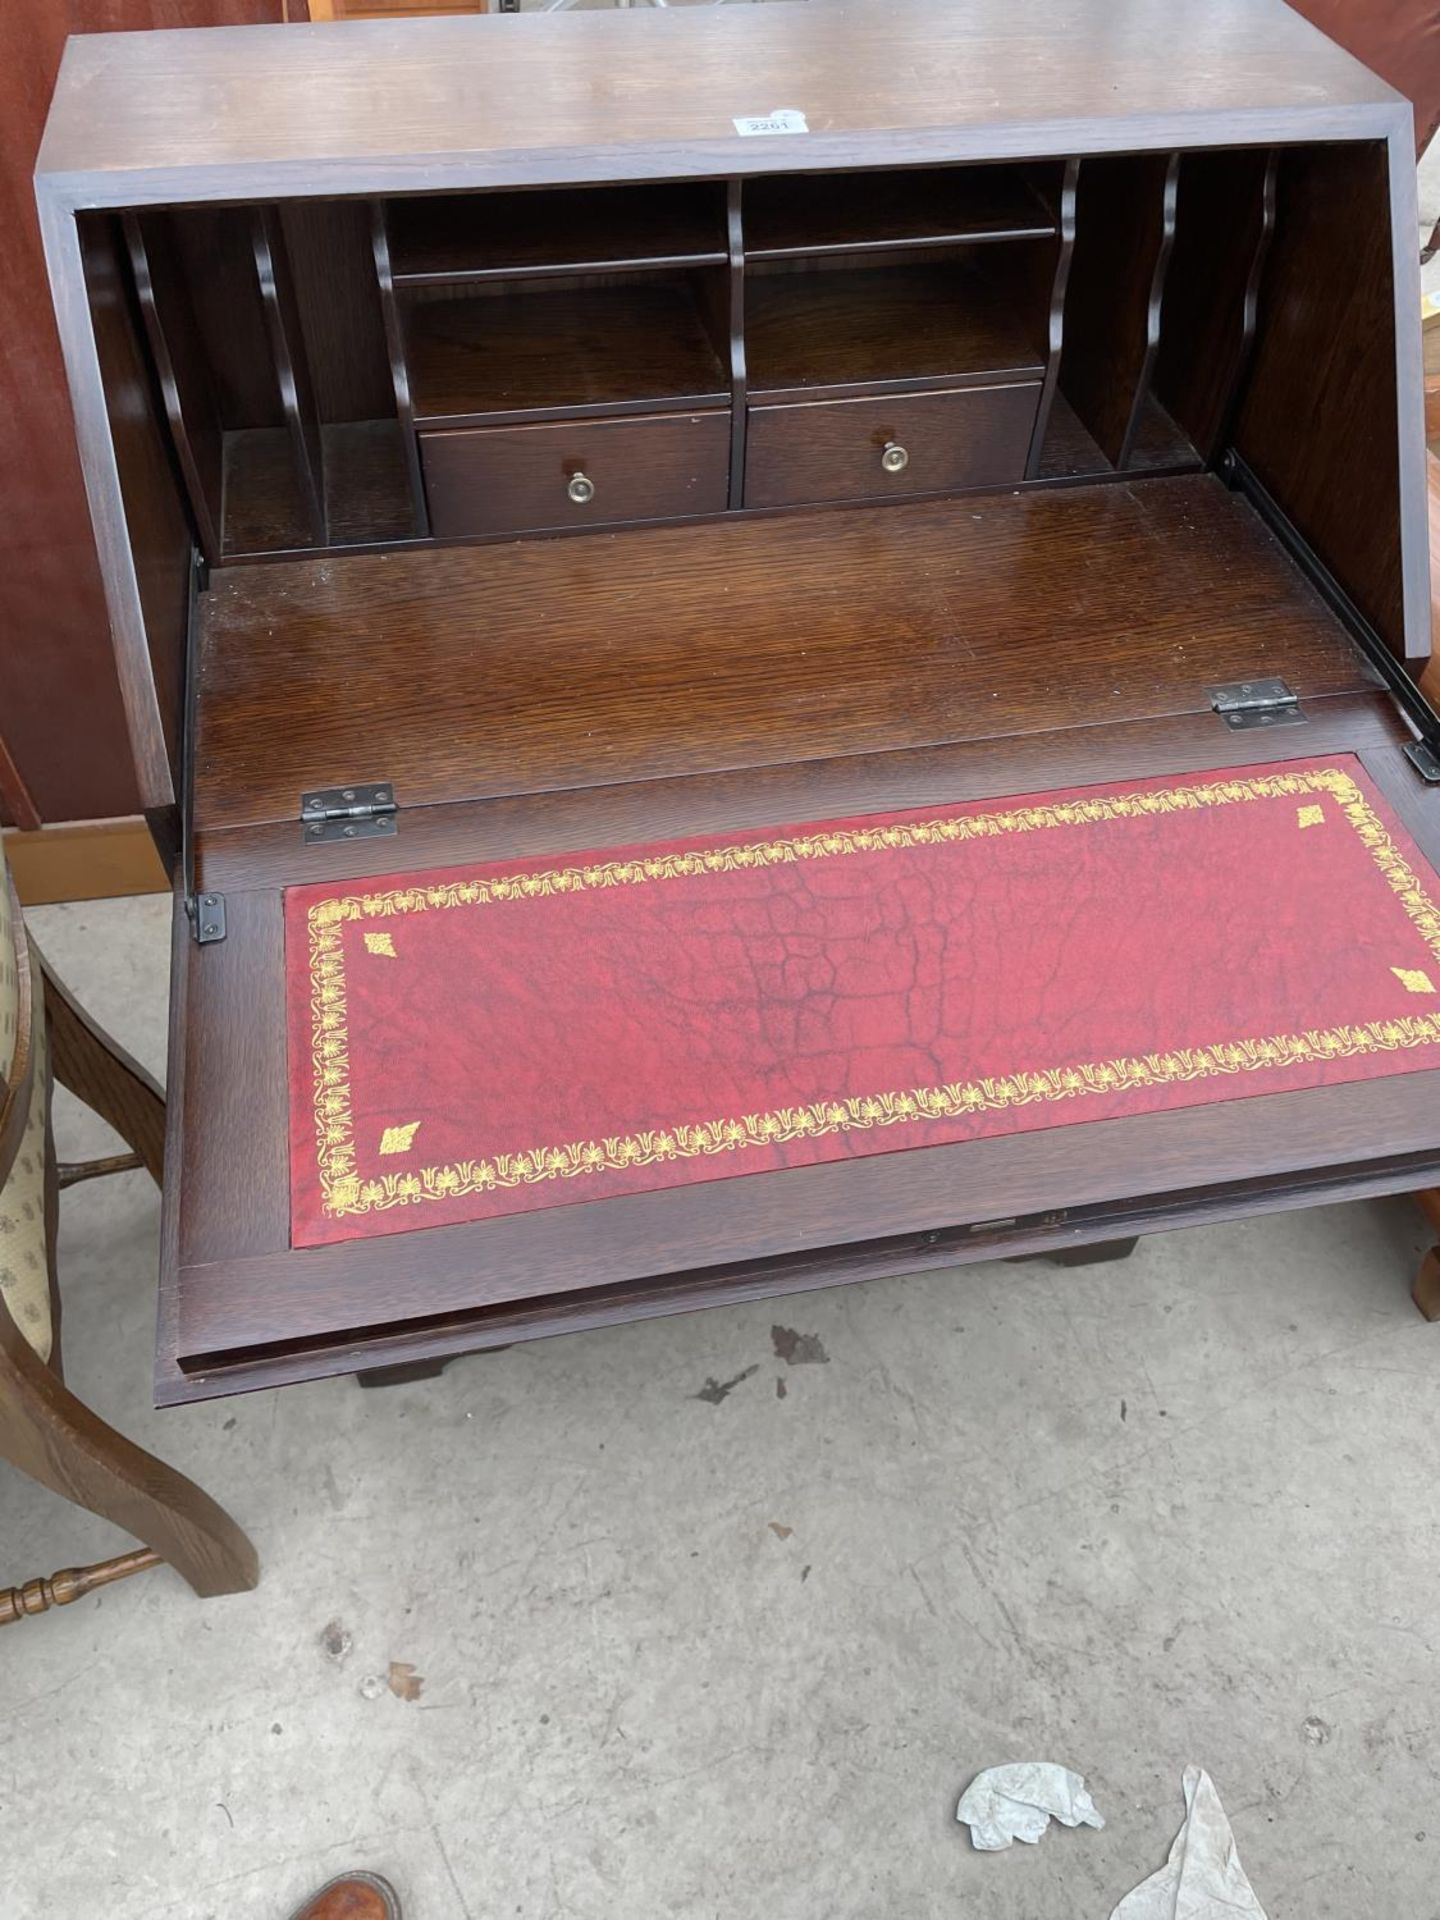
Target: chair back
[(16, 1023), (27, 1301)]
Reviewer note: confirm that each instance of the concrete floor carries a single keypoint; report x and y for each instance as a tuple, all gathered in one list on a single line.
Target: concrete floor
[(700, 1658)]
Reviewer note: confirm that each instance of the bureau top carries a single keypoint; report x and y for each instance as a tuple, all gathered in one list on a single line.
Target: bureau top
[(451, 102)]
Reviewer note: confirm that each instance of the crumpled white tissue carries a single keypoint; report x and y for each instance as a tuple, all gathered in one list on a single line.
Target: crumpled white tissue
[(1203, 1878), (1016, 1803)]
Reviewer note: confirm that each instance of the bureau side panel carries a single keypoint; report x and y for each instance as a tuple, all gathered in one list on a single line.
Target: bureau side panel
[(1330, 421)]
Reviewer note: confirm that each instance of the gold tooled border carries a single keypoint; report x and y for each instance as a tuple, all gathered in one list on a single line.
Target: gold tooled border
[(345, 1192)]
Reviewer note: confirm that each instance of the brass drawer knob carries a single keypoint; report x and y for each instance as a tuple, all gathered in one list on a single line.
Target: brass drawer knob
[(581, 489), (894, 459)]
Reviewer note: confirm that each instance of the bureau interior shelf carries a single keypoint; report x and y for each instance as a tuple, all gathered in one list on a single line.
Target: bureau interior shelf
[(1159, 441), (454, 238), (367, 483), (803, 215), (263, 510), (366, 489), (366, 371), (884, 326), (1071, 453), (550, 349)]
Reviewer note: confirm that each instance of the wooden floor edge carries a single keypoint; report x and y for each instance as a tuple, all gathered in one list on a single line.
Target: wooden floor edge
[(84, 860)]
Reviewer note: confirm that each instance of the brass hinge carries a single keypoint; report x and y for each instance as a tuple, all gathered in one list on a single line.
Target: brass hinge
[(1425, 760), (1243, 704), (349, 813)]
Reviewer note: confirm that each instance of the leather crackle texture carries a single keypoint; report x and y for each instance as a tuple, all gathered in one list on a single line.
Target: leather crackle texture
[(477, 1041)]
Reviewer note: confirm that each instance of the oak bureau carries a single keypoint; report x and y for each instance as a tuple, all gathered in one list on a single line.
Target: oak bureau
[(769, 645)]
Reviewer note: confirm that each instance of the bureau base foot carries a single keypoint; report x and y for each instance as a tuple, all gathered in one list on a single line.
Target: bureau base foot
[(1095, 1255), (398, 1376), (1426, 1290), (408, 1370)]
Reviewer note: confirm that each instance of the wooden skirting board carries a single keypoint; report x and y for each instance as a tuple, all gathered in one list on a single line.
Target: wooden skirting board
[(84, 860)]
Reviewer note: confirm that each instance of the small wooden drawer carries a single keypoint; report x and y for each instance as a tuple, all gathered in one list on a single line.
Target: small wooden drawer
[(576, 473), (912, 443)]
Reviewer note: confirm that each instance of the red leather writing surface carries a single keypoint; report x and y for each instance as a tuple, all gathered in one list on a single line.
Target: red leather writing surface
[(532, 1033)]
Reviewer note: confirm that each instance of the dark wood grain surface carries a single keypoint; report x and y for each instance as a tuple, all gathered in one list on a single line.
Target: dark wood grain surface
[(1224, 221), (1158, 442), (265, 509), (604, 659), (833, 213), (1124, 227), (233, 1218), (159, 530), (559, 347), (182, 371), (1339, 479), (830, 327), (461, 238), (506, 479), (367, 482), (1057, 265), (739, 366), (518, 826), (216, 253), (393, 325), (516, 99), (286, 1298), (834, 450), (84, 1058), (233, 1168), (439, 1338), (290, 365), (325, 375), (230, 117), (332, 266), (767, 666), (1069, 450)]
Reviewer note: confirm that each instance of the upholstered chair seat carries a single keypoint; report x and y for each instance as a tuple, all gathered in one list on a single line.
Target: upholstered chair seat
[(24, 1265), (24, 1268)]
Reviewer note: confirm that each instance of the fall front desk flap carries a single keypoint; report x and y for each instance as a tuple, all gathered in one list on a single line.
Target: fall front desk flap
[(484, 1040)]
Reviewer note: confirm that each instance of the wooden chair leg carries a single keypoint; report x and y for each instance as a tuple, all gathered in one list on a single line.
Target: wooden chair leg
[(55, 1438), (50, 1435), (74, 1172), (86, 1060), (61, 1589)]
